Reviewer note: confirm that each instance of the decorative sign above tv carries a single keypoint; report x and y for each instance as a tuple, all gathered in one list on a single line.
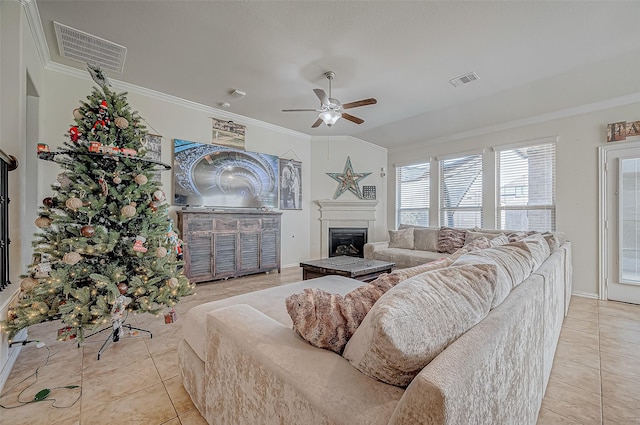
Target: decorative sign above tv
[(217, 176)]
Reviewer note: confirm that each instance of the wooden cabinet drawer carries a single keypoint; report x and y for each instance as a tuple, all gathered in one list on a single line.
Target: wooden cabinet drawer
[(222, 224)]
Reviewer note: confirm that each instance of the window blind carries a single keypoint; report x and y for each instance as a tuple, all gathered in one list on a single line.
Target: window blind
[(526, 184), (461, 191), (412, 194)]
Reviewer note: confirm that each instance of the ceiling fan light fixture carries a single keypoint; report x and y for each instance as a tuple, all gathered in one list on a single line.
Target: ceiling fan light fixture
[(330, 117)]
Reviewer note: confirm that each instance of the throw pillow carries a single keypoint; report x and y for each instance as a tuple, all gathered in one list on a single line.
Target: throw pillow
[(401, 238), (328, 320), (450, 239), (317, 318), (416, 320), (426, 239)]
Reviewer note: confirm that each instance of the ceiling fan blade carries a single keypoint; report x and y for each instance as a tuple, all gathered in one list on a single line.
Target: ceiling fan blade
[(363, 102), (298, 110), (352, 118), (322, 96), (317, 123)]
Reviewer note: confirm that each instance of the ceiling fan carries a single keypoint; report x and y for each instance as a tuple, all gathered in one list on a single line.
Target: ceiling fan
[(331, 109)]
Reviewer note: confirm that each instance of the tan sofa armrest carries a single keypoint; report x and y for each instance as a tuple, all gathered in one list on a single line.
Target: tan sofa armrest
[(260, 371), (371, 247)]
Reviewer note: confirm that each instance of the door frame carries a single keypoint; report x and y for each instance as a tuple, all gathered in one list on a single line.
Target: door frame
[(603, 219)]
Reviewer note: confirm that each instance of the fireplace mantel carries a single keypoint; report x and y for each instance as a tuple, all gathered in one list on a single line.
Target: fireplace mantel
[(334, 213)]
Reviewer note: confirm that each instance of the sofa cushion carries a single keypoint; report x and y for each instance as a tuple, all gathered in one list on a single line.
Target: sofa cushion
[(426, 239), (538, 247), (406, 257), (446, 303), (450, 239), (401, 239), (514, 264), (500, 239)]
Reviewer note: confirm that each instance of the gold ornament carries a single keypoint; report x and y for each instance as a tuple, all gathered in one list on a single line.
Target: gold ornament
[(71, 258), (28, 284), (77, 114), (172, 283), (141, 179), (117, 180), (73, 203), (161, 252), (121, 123), (128, 211), (43, 222)]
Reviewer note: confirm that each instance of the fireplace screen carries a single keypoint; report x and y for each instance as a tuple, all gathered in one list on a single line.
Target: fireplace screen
[(347, 241)]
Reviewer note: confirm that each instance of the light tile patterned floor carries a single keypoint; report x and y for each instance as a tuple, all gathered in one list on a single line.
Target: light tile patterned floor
[(595, 377)]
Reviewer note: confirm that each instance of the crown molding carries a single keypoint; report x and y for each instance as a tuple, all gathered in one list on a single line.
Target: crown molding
[(219, 113), (349, 139), (35, 25)]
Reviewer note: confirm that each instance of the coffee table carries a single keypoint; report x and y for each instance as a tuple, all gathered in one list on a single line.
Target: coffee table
[(353, 267)]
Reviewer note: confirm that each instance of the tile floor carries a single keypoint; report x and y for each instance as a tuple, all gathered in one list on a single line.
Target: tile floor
[(595, 377)]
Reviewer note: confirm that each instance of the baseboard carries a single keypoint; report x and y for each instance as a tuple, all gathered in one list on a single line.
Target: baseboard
[(11, 360), (585, 295)]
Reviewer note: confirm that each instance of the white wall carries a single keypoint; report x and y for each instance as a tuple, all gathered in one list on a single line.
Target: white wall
[(19, 58), (576, 180), (329, 155)]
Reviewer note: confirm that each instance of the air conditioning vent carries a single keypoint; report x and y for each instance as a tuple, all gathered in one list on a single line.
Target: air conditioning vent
[(83, 47), (464, 79)]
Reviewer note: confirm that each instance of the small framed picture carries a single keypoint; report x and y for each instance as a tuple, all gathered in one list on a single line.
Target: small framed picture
[(368, 192), (290, 184)]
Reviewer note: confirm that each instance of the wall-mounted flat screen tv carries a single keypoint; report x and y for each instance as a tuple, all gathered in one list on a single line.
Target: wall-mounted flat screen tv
[(218, 176)]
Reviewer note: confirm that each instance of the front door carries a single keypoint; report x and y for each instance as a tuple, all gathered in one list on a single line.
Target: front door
[(620, 221)]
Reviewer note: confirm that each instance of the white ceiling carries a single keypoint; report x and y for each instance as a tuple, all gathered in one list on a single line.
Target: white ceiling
[(533, 58)]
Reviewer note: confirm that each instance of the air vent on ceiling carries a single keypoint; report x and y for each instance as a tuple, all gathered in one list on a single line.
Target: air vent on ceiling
[(464, 79), (83, 47)]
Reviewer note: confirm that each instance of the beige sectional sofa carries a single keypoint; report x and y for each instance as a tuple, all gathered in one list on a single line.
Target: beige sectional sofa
[(242, 363)]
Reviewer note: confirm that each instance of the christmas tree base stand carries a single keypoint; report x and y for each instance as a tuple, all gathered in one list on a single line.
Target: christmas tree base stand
[(115, 336)]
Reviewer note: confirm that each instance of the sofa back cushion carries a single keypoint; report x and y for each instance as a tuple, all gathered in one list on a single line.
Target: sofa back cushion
[(417, 319), (426, 239), (514, 264), (538, 247), (402, 238)]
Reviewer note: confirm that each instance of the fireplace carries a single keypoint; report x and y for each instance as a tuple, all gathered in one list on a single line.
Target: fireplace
[(347, 241)]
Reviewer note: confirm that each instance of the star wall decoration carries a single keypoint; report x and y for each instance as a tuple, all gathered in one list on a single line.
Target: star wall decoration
[(348, 180)]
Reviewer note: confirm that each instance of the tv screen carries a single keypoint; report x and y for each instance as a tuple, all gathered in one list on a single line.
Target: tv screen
[(218, 176)]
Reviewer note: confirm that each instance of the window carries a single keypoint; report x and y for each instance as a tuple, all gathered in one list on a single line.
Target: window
[(412, 194), (461, 191), (526, 187)]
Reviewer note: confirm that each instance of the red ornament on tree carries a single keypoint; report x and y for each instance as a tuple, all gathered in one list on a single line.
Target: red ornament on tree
[(153, 206), (47, 202), (122, 287), (74, 133)]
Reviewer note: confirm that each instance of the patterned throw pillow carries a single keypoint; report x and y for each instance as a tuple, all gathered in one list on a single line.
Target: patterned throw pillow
[(450, 239), (328, 320)]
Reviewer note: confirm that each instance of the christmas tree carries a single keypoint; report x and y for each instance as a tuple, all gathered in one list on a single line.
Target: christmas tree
[(106, 244)]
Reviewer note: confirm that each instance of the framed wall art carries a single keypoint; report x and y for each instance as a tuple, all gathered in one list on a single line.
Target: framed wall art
[(290, 184)]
